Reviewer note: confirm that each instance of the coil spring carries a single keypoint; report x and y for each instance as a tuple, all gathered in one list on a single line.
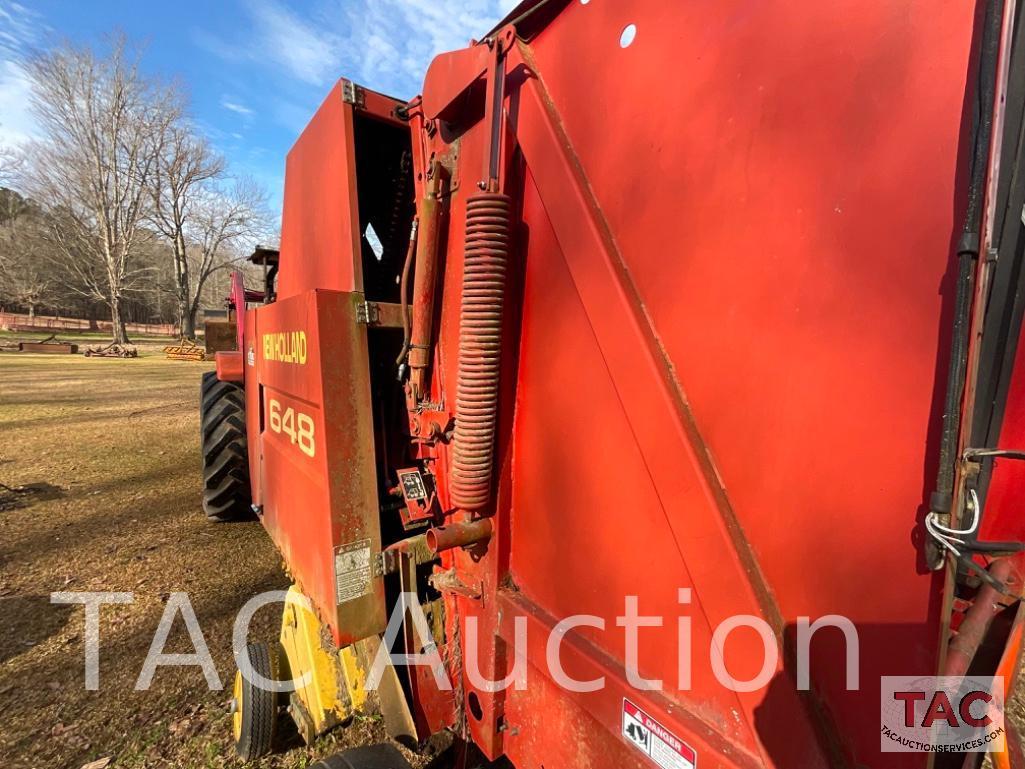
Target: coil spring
[(488, 229)]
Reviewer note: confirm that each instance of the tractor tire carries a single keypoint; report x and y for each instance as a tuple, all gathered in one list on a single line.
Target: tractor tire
[(226, 492), (254, 712), (382, 756)]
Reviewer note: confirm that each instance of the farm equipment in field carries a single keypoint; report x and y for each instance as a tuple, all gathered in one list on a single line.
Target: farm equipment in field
[(219, 336), (706, 312), (186, 349), (50, 345), (112, 350)]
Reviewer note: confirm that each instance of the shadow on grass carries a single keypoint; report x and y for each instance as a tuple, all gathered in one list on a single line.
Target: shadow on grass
[(29, 620), (18, 497)]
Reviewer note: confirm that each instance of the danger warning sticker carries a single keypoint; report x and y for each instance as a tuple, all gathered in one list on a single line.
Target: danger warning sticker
[(655, 741)]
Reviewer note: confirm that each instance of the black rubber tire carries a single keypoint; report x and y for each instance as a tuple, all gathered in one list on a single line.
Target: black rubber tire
[(259, 707), (383, 756), (226, 492)]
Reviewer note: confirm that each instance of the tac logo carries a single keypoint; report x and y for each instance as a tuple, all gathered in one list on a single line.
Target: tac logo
[(941, 714)]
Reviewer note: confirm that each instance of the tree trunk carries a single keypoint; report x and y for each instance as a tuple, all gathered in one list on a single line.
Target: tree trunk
[(188, 321), (31, 313), (117, 322)]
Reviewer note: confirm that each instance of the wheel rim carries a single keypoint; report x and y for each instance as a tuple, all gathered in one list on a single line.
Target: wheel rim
[(236, 714)]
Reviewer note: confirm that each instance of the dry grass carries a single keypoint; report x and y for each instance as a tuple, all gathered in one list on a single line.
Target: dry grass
[(104, 456)]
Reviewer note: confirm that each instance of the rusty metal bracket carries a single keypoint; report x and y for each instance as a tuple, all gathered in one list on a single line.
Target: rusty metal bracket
[(414, 548), (367, 313), (449, 582), (380, 314)]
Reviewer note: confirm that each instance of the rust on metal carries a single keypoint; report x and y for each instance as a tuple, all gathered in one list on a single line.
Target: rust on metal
[(186, 349), (54, 348), (454, 535), (112, 350)]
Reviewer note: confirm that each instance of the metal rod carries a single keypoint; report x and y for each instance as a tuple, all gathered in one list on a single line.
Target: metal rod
[(425, 278), (458, 535), (973, 629)]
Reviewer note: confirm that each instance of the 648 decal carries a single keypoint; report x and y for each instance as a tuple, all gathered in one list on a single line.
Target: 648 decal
[(297, 425)]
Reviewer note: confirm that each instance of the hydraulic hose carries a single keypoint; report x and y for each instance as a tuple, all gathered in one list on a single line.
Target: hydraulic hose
[(941, 499)]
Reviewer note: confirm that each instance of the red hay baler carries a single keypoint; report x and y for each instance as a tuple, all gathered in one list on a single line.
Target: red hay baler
[(704, 315)]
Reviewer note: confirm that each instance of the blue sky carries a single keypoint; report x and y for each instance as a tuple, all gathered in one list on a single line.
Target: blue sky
[(255, 70)]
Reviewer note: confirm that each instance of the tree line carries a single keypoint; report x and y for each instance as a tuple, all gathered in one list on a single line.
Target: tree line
[(122, 208)]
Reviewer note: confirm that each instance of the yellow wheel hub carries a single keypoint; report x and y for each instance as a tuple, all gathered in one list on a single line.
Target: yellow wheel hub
[(236, 707)]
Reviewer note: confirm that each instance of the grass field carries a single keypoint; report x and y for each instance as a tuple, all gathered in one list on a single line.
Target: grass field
[(101, 492), (146, 345), (73, 336)]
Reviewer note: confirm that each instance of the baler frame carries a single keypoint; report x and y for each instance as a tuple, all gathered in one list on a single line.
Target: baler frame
[(449, 430)]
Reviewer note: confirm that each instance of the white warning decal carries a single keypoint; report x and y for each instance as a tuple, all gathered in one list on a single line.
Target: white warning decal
[(655, 741), (352, 571)]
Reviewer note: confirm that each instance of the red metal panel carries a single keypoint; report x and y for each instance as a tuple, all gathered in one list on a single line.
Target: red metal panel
[(320, 236), (732, 321), (1003, 520), (730, 331), (573, 729), (765, 220), (572, 476), (316, 460), (671, 536), (247, 335), (229, 365)]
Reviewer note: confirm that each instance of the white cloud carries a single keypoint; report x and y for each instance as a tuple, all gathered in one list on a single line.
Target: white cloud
[(385, 45), (389, 43), (21, 29), (307, 52), (236, 107), (16, 122)]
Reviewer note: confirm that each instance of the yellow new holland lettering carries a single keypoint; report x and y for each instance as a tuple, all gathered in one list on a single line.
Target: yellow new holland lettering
[(285, 347)]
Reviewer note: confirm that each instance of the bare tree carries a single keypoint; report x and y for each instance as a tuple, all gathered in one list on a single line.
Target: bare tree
[(105, 126), (226, 223), (8, 164), (28, 281), (26, 276), (185, 168)]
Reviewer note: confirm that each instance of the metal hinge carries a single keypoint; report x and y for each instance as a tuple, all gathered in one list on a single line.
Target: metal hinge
[(353, 94), (367, 313)]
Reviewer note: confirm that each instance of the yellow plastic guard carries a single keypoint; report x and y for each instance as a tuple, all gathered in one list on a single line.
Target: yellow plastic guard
[(334, 688)]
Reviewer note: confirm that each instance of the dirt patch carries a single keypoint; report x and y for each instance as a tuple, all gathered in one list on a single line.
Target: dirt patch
[(101, 492)]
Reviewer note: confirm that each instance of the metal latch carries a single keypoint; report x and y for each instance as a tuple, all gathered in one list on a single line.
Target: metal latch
[(353, 94), (368, 313)]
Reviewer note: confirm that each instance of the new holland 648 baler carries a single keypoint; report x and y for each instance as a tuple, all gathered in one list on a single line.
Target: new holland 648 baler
[(712, 305)]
